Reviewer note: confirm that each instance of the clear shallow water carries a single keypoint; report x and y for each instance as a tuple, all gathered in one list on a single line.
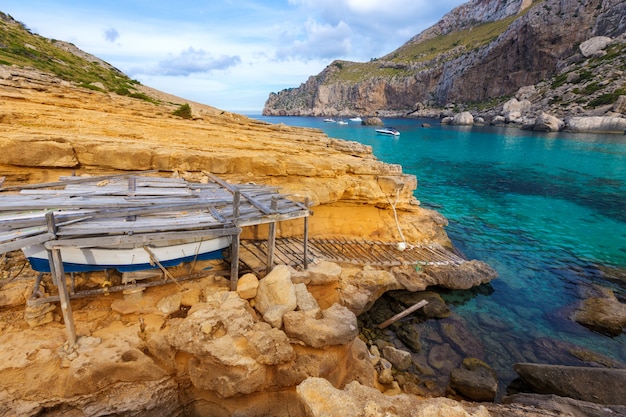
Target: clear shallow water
[(547, 211)]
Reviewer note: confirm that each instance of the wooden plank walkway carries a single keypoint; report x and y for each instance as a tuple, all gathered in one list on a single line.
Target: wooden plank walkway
[(289, 251)]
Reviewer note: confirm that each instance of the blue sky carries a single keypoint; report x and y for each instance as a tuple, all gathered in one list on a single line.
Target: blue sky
[(226, 53)]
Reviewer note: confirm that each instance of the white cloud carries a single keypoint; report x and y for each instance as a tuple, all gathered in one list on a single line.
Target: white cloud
[(317, 41), (192, 61)]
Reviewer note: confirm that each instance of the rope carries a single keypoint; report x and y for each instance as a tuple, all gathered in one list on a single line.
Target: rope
[(401, 245)]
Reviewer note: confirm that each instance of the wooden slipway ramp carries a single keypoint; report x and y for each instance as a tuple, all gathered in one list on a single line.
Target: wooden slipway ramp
[(289, 251)]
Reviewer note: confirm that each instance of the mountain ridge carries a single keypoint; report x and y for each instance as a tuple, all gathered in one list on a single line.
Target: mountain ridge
[(473, 60)]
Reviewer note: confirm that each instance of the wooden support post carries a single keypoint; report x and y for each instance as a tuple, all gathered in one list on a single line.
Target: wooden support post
[(58, 277), (64, 297), (271, 239), (234, 262), (305, 264), (402, 314)]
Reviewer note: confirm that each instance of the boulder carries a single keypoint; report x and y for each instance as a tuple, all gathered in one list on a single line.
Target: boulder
[(372, 121), (400, 359), (247, 286), (463, 119), (594, 46), (475, 380), (306, 301), (319, 398), (599, 124), (596, 385), (170, 303), (553, 405), (461, 277), (323, 273), (602, 314), (336, 326), (274, 289), (513, 110), (547, 123)]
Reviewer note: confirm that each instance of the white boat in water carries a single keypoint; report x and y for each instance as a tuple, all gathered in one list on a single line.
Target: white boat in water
[(356, 119), (130, 257), (342, 122), (388, 131), (330, 120)]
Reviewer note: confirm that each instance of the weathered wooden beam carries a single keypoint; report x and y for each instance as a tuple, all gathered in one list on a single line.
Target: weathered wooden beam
[(73, 181), (22, 243), (402, 314), (146, 238)]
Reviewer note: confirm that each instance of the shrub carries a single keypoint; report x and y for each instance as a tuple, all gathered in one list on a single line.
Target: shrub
[(183, 111)]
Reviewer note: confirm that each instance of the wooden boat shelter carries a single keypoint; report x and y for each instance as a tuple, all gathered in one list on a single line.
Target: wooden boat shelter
[(137, 209)]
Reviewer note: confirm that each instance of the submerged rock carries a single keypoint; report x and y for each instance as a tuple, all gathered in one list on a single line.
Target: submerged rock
[(475, 380), (597, 385), (602, 314)]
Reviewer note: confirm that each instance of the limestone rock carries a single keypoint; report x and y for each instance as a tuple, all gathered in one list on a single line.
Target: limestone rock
[(270, 346), (547, 123), (306, 301), (247, 286), (461, 277), (320, 399), (98, 365), (463, 119), (42, 153), (597, 124), (595, 46), (323, 272), (276, 288), (215, 329), (559, 406), (171, 303), (400, 359), (372, 121), (274, 314), (603, 314), (15, 293), (337, 326), (596, 385), (475, 380), (513, 110)]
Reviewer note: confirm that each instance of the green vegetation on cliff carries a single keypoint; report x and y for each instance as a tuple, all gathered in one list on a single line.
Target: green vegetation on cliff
[(20, 47)]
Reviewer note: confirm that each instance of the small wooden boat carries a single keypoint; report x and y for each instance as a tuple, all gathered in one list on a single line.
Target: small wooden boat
[(130, 257)]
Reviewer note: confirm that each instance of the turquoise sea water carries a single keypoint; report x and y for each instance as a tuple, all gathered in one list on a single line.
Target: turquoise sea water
[(547, 211)]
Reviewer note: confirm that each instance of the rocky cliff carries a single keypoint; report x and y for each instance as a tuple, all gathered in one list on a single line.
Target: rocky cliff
[(478, 56)]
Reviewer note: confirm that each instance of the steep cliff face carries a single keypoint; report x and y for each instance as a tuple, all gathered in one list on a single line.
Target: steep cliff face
[(482, 50)]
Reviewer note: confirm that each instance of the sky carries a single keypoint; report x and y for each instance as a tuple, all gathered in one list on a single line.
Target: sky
[(225, 53)]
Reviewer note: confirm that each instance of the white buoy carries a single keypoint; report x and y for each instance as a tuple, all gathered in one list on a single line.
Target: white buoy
[(401, 246)]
